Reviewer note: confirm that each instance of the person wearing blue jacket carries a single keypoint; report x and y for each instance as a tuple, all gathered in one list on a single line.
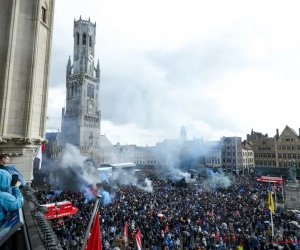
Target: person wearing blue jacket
[(9, 202), (4, 158)]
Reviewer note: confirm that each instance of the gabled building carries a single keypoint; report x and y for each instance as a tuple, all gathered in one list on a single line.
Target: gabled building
[(288, 147), (264, 148), (277, 151)]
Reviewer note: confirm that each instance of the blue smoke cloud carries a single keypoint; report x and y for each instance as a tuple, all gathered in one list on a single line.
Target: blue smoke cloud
[(106, 198), (57, 192), (211, 173), (103, 176)]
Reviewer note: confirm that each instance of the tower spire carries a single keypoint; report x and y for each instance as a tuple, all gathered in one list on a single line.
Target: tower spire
[(69, 66)]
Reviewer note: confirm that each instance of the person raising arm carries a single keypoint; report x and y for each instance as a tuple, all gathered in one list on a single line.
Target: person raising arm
[(9, 202)]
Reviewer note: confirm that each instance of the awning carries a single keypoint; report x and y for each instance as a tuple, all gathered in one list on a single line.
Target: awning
[(60, 209)]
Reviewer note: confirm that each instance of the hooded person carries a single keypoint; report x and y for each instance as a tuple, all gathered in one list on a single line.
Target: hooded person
[(9, 202)]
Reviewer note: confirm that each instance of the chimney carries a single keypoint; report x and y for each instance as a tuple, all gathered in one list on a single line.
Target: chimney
[(277, 132)]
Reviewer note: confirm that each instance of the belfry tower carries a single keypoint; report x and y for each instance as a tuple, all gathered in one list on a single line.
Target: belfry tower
[(81, 117)]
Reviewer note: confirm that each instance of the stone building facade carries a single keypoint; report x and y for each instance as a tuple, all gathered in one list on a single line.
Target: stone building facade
[(232, 158), (277, 151), (81, 117), (213, 157), (264, 148), (288, 147), (26, 29), (248, 157)]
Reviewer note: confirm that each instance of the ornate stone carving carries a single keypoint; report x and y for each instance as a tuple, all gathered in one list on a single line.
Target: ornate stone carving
[(31, 141), (4, 140), (15, 154)]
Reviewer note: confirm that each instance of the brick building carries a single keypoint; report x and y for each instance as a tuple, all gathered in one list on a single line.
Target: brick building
[(277, 151)]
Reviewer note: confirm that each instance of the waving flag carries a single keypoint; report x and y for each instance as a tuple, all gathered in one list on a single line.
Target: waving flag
[(95, 238), (270, 200), (126, 234), (138, 238)]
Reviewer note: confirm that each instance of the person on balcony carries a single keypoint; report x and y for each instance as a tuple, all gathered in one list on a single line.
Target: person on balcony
[(9, 202)]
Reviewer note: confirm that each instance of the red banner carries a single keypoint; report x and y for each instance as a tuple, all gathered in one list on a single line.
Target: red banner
[(126, 234), (138, 238)]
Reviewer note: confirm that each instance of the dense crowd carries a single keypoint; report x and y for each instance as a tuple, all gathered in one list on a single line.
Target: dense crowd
[(193, 217)]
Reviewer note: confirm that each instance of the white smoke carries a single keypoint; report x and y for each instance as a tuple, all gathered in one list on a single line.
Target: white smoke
[(217, 180), (73, 162), (147, 187)]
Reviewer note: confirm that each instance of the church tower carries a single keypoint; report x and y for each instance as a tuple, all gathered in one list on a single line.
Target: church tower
[(81, 117)]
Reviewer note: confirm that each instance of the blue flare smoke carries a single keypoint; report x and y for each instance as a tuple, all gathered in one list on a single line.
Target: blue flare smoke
[(106, 198), (57, 192), (103, 176)]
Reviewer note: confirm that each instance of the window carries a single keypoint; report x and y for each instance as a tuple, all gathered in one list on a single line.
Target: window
[(298, 156), (84, 39), (283, 147), (287, 139), (264, 155), (274, 163), (269, 155), (260, 148), (77, 38), (289, 156), (292, 147), (90, 41), (284, 155), (279, 155), (294, 156), (279, 147), (90, 91), (280, 164), (284, 164), (269, 163), (273, 155), (288, 147), (298, 147), (260, 155), (43, 16)]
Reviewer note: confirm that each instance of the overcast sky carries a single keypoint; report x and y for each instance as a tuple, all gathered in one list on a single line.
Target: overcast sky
[(219, 68)]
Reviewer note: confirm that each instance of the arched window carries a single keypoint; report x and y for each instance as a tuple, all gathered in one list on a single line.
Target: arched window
[(90, 42), (43, 14), (84, 39), (78, 38)]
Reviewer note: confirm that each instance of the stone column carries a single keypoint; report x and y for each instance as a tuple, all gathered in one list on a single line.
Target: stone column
[(25, 50)]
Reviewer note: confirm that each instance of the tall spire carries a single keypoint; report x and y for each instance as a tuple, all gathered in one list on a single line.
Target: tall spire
[(69, 66)]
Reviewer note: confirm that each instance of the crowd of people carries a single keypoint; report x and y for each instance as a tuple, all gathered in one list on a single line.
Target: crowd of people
[(172, 217)]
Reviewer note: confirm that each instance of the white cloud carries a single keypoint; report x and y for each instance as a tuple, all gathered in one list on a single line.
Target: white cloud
[(216, 67)]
